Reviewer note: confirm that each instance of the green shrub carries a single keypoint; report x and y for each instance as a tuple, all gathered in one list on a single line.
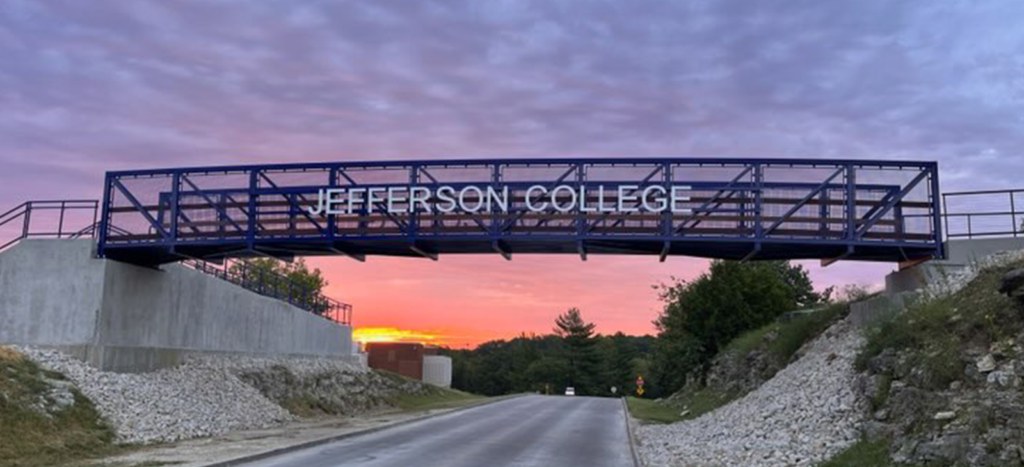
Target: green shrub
[(701, 317), (881, 395)]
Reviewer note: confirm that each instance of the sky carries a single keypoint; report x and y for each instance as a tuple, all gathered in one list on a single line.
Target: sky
[(104, 85)]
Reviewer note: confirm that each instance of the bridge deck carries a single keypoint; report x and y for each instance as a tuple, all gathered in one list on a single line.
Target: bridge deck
[(726, 208)]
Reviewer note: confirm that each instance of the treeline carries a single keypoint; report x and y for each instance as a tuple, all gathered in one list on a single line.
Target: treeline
[(572, 356), (700, 317)]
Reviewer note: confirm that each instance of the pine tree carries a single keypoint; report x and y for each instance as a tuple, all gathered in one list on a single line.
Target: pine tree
[(578, 336)]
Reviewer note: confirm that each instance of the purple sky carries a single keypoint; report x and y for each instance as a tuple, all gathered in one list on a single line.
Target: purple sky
[(87, 86)]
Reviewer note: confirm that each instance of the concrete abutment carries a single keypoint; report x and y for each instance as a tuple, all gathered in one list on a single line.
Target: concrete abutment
[(125, 318)]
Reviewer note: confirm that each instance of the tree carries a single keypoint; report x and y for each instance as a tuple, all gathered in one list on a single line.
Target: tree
[(702, 316), (547, 374), (293, 281), (539, 363), (617, 353), (579, 343), (799, 282)]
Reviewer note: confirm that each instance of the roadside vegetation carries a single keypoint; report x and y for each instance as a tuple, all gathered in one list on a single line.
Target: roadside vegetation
[(684, 405), (44, 420), (755, 356), (434, 398), (933, 334), (782, 338), (943, 374), (703, 316), (733, 309), (573, 355), (862, 454), (652, 411)]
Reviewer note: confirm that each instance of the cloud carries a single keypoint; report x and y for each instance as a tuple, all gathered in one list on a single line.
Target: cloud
[(165, 83), (92, 86)]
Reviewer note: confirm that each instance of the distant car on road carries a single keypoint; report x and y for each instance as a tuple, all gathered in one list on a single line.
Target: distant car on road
[(570, 391)]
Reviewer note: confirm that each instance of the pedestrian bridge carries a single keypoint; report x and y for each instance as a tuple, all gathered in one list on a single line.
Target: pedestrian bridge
[(745, 209)]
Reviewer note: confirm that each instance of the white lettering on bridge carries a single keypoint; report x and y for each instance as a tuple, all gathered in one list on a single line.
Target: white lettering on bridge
[(488, 199)]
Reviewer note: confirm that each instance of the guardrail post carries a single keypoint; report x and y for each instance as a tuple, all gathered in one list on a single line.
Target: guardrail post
[(95, 210), (26, 223), (937, 211), (60, 223), (1013, 215), (945, 210)]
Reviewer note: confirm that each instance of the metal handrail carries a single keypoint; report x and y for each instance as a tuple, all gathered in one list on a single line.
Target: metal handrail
[(30, 228), (1008, 211), (271, 285), (277, 286)]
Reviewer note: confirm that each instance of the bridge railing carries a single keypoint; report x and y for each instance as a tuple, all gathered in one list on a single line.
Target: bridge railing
[(278, 286), (987, 213), (732, 208), (73, 218)]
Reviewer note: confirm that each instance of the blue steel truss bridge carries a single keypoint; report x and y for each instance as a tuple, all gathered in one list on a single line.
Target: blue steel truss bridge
[(743, 209)]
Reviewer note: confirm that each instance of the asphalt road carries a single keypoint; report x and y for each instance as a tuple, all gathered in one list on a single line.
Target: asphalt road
[(531, 431)]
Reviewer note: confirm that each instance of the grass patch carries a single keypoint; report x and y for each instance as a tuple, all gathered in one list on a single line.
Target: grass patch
[(653, 411), (434, 398), (933, 333), (796, 332), (683, 406), (309, 406), (789, 335), (31, 437), (862, 454), (751, 340), (702, 401)]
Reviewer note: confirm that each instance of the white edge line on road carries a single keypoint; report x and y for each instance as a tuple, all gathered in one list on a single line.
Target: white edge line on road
[(330, 439), (630, 435)]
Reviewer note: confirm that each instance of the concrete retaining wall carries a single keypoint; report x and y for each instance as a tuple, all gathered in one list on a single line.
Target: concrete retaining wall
[(50, 292), (960, 254), (121, 317), (903, 287), (875, 309)]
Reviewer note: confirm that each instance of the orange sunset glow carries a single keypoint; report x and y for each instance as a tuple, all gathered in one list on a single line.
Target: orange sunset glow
[(462, 301), (393, 334)]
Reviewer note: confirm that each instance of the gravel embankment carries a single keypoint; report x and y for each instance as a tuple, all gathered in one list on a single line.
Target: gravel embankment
[(807, 413), (203, 397)]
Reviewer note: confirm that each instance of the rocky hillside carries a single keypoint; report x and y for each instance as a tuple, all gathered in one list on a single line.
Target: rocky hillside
[(316, 390), (945, 377), (752, 359), (805, 414), (215, 394)]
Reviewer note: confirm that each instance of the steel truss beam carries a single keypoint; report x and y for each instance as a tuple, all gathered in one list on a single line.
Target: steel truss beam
[(738, 209)]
